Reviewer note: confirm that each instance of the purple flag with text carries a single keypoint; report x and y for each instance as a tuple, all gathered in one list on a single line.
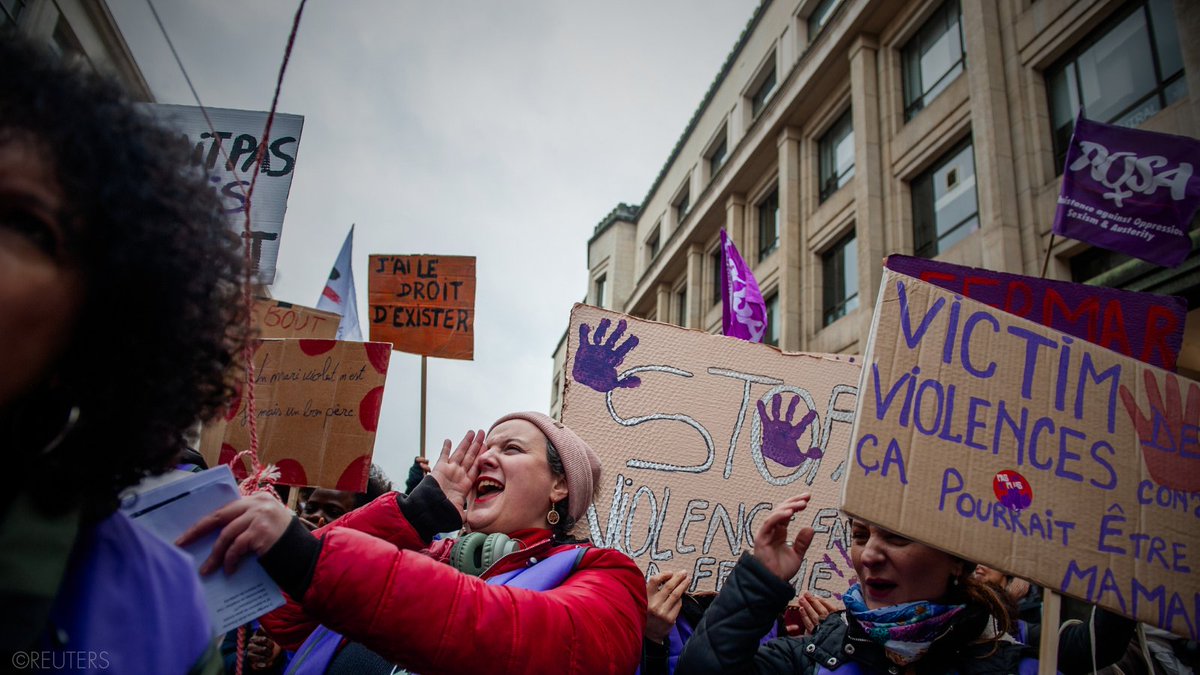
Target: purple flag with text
[(1129, 190), (743, 312)]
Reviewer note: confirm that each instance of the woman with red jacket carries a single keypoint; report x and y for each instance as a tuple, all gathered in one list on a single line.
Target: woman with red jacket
[(515, 595)]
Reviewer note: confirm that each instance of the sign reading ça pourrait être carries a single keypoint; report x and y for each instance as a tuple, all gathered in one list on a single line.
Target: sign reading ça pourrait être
[(279, 319), (700, 436), (423, 304), (317, 408), (228, 161), (1020, 447)]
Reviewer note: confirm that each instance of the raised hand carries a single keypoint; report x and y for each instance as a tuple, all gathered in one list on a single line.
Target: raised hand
[(1169, 431), (808, 613), (781, 439), (771, 545), (596, 362), (664, 596), (455, 472)]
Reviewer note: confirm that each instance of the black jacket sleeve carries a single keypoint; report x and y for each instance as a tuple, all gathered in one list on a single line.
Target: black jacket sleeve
[(727, 639)]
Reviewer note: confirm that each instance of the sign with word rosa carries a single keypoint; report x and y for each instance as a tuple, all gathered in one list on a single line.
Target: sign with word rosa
[(228, 159), (1020, 447), (1130, 190), (279, 319), (317, 407), (424, 304), (700, 436), (1145, 326)]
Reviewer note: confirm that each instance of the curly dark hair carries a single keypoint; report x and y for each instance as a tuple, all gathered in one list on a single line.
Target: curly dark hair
[(156, 342)]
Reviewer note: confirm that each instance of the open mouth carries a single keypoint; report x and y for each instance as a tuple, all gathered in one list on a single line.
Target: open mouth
[(486, 489), (878, 588)]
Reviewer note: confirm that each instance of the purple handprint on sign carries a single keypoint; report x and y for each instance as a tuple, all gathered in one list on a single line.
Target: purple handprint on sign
[(781, 438), (596, 362)]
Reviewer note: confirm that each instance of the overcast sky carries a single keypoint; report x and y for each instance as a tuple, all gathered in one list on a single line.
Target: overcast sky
[(505, 131)]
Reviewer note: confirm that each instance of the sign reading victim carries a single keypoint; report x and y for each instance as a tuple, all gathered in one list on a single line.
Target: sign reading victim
[(1023, 448)]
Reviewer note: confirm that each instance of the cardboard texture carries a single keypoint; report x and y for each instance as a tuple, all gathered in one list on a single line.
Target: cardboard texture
[(1145, 326), (1017, 446), (239, 133), (690, 469), (279, 319), (317, 404), (423, 304)]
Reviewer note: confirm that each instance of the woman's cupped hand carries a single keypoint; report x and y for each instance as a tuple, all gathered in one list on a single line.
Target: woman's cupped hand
[(773, 548)]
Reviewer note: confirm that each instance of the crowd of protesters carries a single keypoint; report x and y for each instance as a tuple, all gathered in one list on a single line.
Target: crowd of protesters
[(120, 324)]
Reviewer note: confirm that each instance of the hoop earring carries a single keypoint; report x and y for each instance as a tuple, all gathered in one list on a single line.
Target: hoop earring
[(552, 517), (72, 420)]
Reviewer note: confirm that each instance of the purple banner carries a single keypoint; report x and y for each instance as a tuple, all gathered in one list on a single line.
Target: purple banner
[(1143, 326), (1129, 190), (743, 312)]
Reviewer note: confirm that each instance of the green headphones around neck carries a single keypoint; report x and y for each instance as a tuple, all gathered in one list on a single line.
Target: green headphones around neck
[(475, 552)]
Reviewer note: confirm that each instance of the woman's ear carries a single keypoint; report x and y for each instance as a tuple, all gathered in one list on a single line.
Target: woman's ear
[(558, 491)]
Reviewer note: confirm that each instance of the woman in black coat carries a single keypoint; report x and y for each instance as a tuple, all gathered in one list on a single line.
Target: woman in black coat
[(915, 609)]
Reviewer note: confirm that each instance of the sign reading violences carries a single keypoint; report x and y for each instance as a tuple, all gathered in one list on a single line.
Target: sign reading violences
[(700, 436), (423, 304), (1014, 445)]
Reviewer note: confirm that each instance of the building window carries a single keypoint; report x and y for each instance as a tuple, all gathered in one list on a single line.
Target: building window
[(837, 156), (839, 267), (820, 16), (10, 11), (762, 92), (768, 224), (554, 392), (682, 308), (933, 58), (1123, 73), (682, 204), (602, 291), (771, 334), (714, 262), (945, 209), (653, 244), (716, 159)]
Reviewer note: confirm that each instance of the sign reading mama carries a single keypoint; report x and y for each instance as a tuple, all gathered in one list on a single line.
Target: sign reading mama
[(700, 436), (1028, 450)]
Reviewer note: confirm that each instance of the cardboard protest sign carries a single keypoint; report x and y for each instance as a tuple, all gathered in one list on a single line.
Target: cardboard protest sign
[(317, 407), (1130, 190), (424, 304), (279, 319), (700, 436), (238, 135), (1020, 447), (1145, 326)]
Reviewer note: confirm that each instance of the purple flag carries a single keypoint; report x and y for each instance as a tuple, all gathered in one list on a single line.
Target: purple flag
[(743, 312), (1129, 190)]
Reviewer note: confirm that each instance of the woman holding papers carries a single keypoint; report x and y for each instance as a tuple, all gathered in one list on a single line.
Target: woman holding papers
[(914, 609), (516, 594), (119, 281)]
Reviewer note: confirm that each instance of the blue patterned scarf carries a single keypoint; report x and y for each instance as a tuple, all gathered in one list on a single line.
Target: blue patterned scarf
[(905, 631)]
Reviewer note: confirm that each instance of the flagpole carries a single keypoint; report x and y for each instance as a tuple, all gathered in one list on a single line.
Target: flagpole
[(424, 360), (1046, 260)]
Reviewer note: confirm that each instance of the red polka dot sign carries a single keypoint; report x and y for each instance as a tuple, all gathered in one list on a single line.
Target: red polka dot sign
[(317, 403)]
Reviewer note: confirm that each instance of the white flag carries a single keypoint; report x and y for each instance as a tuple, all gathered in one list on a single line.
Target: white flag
[(339, 296)]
